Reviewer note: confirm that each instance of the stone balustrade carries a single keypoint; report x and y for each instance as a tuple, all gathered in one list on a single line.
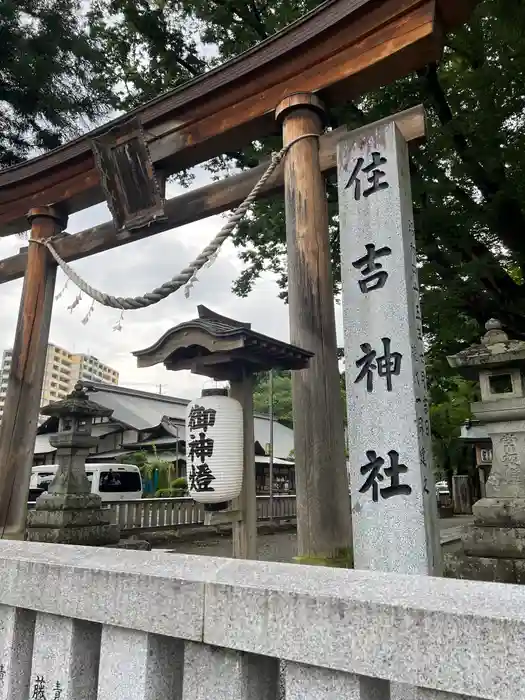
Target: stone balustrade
[(165, 513), (97, 624), (156, 514), (151, 514)]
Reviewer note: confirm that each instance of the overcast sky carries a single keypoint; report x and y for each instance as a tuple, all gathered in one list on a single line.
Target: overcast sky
[(138, 268)]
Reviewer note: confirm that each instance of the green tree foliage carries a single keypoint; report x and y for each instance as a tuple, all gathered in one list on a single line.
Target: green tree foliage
[(150, 46), (449, 410), (282, 396), (468, 179), (177, 489), (52, 76), (139, 459), (149, 464)]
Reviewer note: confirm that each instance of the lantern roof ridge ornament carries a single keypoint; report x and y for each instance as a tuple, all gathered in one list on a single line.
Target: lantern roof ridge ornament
[(77, 403), (495, 333), (495, 350), (219, 347)]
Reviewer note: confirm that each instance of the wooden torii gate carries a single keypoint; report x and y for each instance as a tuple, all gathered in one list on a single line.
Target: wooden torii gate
[(341, 50)]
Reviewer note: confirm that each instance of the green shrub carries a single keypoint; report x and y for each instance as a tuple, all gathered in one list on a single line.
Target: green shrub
[(178, 488), (180, 483)]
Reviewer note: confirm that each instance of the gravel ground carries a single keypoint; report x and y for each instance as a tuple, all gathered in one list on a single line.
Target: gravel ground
[(278, 546)]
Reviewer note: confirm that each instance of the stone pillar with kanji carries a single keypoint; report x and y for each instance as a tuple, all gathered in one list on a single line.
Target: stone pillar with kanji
[(394, 508)]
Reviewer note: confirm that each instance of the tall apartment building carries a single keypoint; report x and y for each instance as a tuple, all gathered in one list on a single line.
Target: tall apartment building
[(4, 376), (92, 369), (62, 370)]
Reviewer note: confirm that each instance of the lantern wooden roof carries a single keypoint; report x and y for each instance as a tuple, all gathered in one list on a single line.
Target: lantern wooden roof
[(77, 403), (219, 347)]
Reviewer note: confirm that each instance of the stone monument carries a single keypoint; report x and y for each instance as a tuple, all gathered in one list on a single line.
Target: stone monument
[(69, 513), (394, 510), (494, 548)]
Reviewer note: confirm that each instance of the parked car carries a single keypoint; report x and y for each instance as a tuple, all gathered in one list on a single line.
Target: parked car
[(112, 482), (443, 496), (442, 487)]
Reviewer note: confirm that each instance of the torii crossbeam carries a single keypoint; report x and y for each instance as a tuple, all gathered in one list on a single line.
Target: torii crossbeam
[(342, 49)]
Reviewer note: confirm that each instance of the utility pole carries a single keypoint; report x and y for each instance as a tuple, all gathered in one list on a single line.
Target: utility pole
[(324, 530)]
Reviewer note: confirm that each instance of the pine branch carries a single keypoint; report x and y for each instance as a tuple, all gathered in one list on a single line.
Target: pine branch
[(470, 249), (247, 18), (505, 210), (503, 298), (258, 17)]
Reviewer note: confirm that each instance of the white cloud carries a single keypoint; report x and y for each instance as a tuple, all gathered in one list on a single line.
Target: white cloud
[(133, 270)]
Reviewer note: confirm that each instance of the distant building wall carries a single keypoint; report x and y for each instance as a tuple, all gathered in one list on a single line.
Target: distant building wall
[(61, 372)]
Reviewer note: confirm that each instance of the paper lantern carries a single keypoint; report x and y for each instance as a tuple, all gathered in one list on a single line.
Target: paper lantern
[(214, 447)]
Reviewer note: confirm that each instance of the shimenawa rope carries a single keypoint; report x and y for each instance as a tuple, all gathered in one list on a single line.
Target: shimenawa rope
[(188, 275)]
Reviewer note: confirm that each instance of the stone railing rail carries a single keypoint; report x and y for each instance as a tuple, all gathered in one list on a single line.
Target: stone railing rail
[(149, 514), (165, 513), (87, 623)]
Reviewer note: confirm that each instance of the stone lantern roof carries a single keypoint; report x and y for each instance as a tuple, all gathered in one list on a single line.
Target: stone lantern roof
[(78, 404), (496, 350)]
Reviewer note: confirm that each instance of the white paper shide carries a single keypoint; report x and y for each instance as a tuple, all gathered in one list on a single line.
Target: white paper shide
[(214, 448)]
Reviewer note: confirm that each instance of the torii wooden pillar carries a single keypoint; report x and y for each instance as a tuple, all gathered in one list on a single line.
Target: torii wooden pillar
[(20, 418), (324, 525)]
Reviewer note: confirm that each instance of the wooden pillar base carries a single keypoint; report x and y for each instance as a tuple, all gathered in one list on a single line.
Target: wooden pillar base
[(341, 560)]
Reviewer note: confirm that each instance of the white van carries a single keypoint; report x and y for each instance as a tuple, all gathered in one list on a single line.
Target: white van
[(112, 482)]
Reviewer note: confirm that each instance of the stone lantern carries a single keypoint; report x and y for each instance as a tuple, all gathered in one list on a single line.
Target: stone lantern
[(69, 512), (497, 539)]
